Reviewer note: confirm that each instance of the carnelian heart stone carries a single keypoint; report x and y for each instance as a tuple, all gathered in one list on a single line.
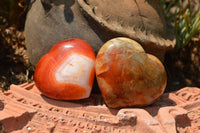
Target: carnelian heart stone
[(127, 76), (67, 71)]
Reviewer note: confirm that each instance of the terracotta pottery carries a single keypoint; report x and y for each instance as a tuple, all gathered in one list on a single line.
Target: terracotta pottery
[(67, 71), (24, 109), (127, 76)]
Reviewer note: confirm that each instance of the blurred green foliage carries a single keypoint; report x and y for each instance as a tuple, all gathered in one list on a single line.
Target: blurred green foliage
[(186, 21), (186, 26)]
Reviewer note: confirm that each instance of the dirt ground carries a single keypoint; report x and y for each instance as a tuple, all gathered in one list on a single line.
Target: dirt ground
[(182, 66), (15, 66)]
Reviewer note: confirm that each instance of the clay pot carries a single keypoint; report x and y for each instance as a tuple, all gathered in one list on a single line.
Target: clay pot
[(96, 22)]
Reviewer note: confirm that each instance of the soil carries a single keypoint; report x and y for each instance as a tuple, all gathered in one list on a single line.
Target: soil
[(183, 65), (15, 65), (14, 62)]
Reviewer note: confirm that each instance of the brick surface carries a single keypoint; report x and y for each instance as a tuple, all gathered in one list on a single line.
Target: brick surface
[(24, 109)]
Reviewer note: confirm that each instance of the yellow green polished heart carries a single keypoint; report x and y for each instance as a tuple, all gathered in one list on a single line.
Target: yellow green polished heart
[(127, 76)]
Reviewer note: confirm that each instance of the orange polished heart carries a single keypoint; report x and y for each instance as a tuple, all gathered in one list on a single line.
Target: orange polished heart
[(67, 71), (127, 76)]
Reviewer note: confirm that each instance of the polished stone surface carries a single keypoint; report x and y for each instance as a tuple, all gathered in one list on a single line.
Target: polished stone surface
[(67, 71), (127, 76)]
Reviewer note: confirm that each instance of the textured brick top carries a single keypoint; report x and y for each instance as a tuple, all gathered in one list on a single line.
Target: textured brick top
[(24, 109)]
